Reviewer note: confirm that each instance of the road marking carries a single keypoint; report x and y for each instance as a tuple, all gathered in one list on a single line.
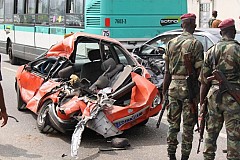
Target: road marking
[(9, 69)]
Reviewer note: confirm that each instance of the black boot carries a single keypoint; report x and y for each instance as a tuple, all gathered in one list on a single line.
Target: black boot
[(184, 157), (172, 157)]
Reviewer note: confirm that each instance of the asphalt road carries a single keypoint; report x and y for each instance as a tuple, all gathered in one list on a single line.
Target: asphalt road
[(22, 140)]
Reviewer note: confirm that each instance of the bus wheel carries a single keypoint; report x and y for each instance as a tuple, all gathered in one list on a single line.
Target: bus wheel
[(43, 122), (21, 104), (12, 59)]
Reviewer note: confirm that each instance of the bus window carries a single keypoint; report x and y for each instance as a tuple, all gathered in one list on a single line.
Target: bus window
[(29, 16), (57, 11), (74, 6), (42, 13), (31, 6), (20, 11), (78, 7), (9, 11), (42, 7), (74, 13), (20, 8), (1, 11)]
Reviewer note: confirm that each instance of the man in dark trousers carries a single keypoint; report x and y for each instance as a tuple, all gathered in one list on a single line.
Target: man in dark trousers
[(176, 85), (3, 112), (223, 57)]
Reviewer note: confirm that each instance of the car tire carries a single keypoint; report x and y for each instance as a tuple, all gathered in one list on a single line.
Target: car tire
[(21, 106), (43, 123), (13, 60), (63, 126)]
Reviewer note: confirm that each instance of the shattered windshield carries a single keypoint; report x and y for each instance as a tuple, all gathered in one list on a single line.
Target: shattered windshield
[(158, 42)]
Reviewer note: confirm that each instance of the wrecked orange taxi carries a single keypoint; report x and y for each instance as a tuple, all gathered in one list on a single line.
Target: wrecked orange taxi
[(89, 79)]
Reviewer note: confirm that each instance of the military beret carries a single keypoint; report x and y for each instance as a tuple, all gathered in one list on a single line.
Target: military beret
[(226, 23), (188, 16)]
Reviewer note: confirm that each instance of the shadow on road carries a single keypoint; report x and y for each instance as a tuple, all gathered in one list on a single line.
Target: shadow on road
[(146, 135), (138, 136), (22, 62), (12, 151)]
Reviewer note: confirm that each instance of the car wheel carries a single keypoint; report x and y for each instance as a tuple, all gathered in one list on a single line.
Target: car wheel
[(13, 60), (63, 126), (21, 104), (43, 123)]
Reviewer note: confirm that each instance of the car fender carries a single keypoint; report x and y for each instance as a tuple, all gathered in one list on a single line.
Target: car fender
[(44, 92)]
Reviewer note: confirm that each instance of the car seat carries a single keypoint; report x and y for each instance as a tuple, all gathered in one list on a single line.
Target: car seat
[(111, 70), (92, 70)]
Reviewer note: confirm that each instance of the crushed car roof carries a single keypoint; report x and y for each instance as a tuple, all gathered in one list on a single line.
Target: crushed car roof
[(66, 46)]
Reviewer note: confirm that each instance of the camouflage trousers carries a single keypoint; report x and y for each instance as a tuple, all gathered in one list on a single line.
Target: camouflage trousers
[(228, 111), (178, 105)]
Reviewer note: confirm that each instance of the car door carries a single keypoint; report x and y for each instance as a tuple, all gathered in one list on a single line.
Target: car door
[(29, 82)]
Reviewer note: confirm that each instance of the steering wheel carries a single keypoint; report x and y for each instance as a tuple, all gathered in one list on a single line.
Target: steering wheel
[(158, 51)]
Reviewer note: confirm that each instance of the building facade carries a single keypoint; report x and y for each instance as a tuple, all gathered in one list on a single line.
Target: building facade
[(203, 10)]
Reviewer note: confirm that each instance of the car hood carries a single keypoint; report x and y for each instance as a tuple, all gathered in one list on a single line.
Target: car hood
[(65, 48)]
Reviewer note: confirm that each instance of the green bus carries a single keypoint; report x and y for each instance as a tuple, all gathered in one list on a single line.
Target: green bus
[(29, 27)]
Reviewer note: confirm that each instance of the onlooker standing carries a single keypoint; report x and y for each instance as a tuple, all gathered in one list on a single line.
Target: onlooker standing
[(216, 23), (225, 57), (214, 16), (3, 112), (176, 86)]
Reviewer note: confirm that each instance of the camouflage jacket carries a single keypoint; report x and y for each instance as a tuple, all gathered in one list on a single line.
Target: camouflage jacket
[(177, 47), (227, 60)]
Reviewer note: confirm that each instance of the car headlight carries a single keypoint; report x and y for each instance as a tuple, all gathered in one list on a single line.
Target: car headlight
[(156, 101)]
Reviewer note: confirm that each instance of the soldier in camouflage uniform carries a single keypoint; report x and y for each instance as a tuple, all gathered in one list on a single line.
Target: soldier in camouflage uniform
[(175, 84), (224, 56)]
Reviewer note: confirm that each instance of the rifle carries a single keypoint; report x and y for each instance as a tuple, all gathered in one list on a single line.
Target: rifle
[(202, 123), (224, 86), (192, 85), (165, 103)]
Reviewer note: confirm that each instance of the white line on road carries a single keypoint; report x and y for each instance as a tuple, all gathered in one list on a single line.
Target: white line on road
[(9, 69)]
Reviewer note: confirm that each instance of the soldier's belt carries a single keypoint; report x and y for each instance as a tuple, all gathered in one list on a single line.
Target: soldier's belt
[(178, 77)]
